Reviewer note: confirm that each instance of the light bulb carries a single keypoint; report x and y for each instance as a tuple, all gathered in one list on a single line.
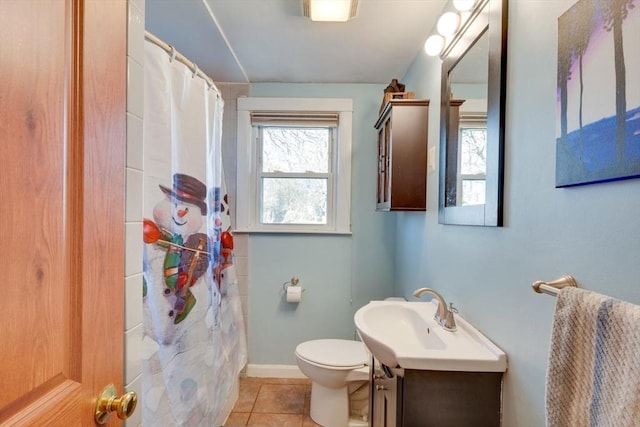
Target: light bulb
[(448, 23), (434, 45), (464, 5)]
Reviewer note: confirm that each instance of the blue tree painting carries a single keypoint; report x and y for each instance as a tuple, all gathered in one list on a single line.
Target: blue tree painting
[(598, 96)]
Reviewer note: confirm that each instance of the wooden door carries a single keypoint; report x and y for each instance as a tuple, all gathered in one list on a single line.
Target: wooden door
[(63, 124)]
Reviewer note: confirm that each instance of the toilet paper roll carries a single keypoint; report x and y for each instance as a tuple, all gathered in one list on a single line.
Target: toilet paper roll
[(294, 294)]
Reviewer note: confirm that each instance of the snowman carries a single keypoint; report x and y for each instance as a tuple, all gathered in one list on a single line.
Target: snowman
[(179, 317), (177, 256)]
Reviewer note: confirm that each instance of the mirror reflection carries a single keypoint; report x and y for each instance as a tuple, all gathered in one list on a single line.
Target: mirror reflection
[(473, 88), (467, 162)]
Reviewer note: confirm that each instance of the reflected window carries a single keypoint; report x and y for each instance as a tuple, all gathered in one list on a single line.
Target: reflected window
[(473, 161)]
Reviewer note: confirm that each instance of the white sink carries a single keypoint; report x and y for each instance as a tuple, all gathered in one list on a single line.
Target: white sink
[(405, 334)]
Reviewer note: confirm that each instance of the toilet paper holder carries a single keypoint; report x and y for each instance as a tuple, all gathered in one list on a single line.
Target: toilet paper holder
[(292, 282)]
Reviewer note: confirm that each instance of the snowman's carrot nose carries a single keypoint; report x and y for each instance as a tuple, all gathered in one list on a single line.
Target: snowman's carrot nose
[(182, 212)]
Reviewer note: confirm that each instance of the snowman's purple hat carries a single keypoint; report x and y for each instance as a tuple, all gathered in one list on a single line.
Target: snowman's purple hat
[(188, 189)]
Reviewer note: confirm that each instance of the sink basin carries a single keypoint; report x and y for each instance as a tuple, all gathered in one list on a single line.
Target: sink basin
[(405, 334)]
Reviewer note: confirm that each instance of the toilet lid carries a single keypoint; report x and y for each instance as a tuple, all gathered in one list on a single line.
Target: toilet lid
[(332, 352)]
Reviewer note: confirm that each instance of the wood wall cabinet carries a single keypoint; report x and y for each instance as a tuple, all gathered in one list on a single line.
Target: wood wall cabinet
[(402, 155)]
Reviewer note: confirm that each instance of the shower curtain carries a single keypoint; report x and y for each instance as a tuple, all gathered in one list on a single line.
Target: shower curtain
[(194, 342)]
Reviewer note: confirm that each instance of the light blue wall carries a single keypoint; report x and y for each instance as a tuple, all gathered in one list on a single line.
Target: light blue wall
[(591, 232), (340, 273)]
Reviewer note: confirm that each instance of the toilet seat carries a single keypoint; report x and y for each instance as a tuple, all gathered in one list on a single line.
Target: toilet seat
[(334, 353)]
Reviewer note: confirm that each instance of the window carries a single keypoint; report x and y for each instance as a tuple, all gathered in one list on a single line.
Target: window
[(294, 174), (294, 165), (473, 160)]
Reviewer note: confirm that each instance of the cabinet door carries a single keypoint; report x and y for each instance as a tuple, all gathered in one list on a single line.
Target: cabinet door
[(386, 395), (377, 407), (386, 403), (381, 167), (384, 162)]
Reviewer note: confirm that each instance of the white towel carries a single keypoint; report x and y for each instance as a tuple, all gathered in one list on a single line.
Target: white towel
[(593, 377)]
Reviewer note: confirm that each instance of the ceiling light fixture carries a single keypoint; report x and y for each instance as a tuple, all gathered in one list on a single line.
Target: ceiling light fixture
[(330, 10)]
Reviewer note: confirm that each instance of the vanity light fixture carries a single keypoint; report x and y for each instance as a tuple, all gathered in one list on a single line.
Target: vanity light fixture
[(330, 10), (434, 45), (464, 5), (447, 26), (448, 23)]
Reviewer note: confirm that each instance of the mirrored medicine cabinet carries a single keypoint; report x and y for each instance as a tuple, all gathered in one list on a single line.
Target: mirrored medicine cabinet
[(473, 89)]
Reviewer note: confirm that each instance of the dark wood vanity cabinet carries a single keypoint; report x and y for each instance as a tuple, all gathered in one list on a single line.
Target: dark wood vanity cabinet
[(416, 398), (402, 155)]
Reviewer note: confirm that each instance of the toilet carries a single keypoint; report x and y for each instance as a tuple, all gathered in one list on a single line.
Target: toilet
[(333, 365)]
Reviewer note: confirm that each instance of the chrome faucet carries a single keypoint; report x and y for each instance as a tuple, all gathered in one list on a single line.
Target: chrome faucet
[(444, 315)]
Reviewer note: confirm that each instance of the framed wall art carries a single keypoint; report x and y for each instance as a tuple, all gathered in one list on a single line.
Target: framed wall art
[(598, 93)]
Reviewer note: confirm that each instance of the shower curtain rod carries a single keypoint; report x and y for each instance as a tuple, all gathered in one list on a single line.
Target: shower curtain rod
[(180, 57)]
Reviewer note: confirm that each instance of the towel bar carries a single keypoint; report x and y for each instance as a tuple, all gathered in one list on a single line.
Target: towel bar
[(552, 288)]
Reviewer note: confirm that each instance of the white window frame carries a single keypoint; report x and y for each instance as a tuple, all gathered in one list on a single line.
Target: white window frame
[(248, 197), (469, 121)]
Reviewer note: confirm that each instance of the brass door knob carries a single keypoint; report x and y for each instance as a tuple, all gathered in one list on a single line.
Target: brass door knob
[(109, 402)]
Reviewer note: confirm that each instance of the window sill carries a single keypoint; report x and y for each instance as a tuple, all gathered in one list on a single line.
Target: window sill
[(290, 231)]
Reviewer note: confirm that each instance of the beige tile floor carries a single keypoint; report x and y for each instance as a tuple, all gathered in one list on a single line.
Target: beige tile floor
[(272, 402)]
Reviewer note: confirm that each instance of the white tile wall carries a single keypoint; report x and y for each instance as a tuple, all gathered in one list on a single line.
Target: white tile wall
[(135, 386), (135, 87), (241, 261), (133, 248), (230, 93), (135, 34), (132, 301), (139, 4), (241, 245), (134, 142), (133, 207), (133, 353)]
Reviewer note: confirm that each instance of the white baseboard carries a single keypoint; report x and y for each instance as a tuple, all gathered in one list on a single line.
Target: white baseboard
[(274, 371)]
